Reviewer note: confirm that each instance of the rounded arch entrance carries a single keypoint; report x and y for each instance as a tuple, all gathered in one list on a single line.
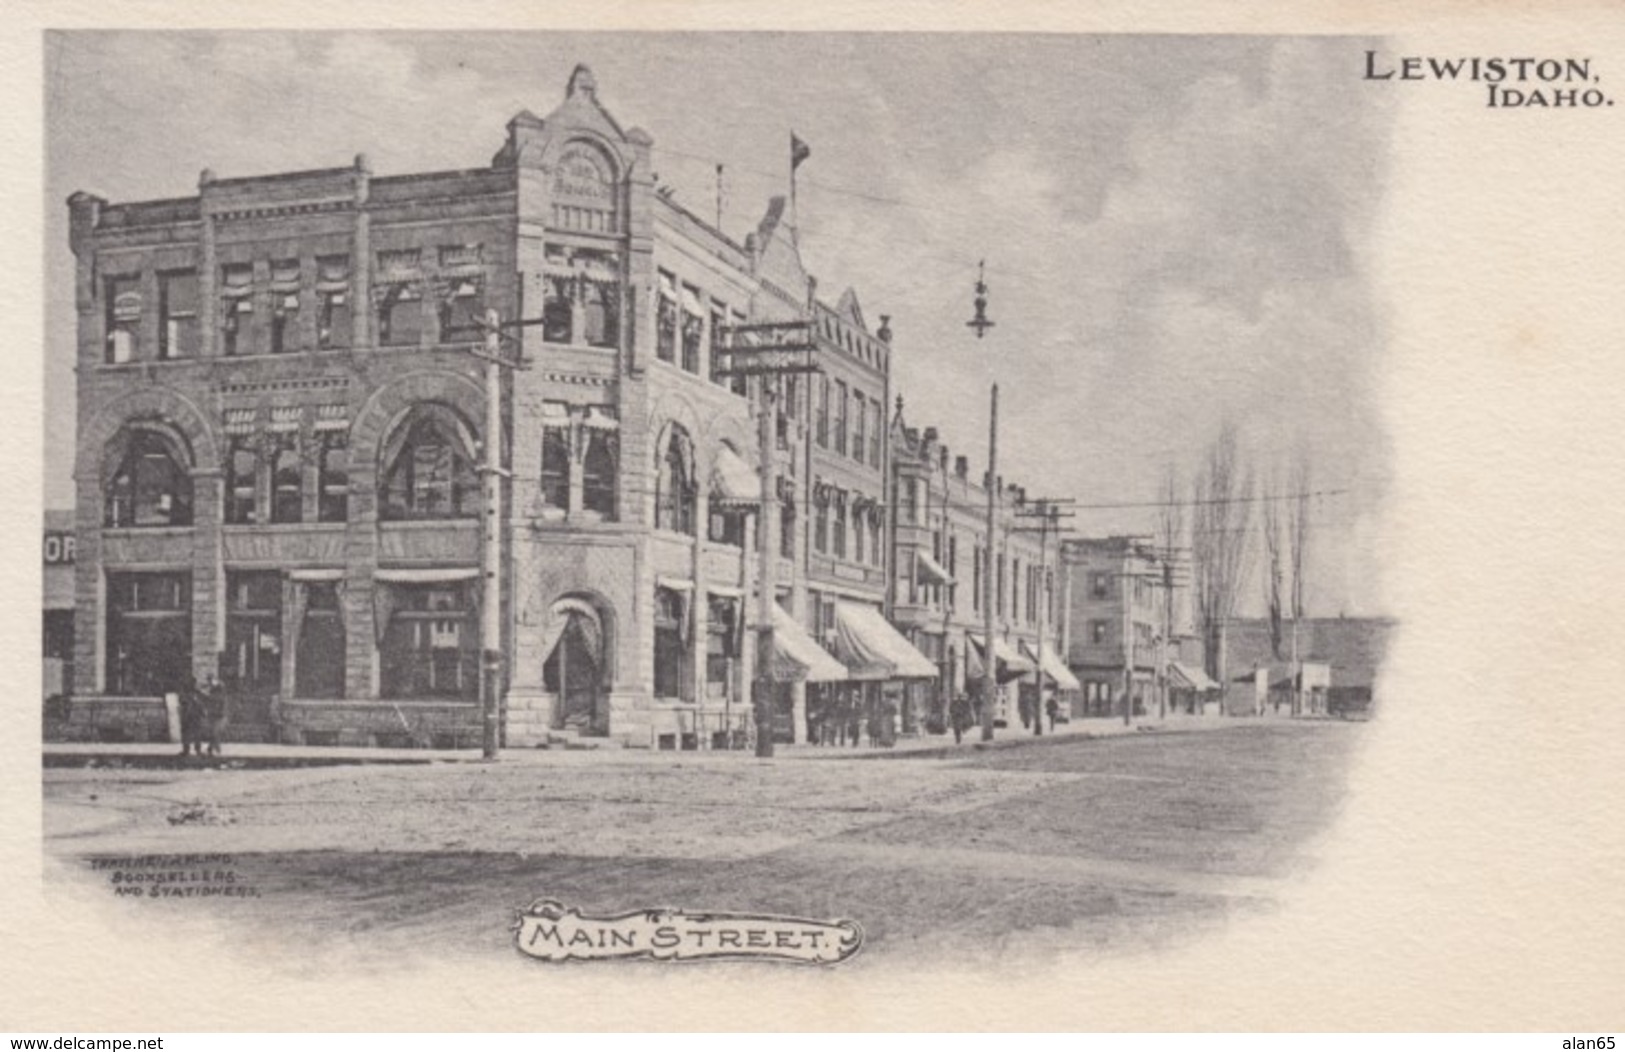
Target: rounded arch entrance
[(578, 660)]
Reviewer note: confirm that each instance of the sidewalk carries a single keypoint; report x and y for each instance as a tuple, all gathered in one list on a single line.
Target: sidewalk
[(240, 756)]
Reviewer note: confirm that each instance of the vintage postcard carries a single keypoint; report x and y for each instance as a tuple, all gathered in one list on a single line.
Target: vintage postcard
[(844, 522)]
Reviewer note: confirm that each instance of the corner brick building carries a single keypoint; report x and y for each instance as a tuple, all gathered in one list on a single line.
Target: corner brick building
[(281, 432)]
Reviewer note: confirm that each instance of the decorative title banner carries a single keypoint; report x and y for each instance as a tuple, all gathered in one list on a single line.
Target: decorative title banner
[(549, 931)]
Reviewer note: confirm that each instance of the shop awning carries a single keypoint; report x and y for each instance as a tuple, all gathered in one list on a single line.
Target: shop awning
[(797, 657), (733, 481), (1053, 667), (1011, 664), (928, 571), (424, 574), (1184, 677), (871, 648)]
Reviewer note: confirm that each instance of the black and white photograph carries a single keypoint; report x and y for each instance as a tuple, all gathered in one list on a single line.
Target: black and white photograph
[(567, 510)]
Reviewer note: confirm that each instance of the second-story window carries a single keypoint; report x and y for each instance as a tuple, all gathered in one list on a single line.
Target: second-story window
[(332, 301), (237, 309), (838, 514), (693, 328), (332, 464), (821, 423), (717, 322), (462, 312), (556, 455), (840, 416), (821, 524), (287, 477), (859, 526), (600, 464), (874, 434), (242, 482), (177, 307), (666, 318), (400, 315), (787, 529), (1097, 585), (860, 425)]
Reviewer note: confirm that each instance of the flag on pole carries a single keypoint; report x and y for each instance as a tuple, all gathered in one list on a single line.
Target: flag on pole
[(799, 151)]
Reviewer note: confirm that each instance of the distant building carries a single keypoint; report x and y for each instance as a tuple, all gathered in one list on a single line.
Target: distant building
[(1341, 657), (1128, 628)]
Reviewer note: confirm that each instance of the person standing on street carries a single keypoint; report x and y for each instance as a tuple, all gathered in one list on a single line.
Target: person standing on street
[(192, 717), (1052, 709), (214, 713), (959, 716)]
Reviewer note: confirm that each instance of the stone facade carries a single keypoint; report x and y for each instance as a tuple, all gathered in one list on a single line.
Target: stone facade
[(283, 405)]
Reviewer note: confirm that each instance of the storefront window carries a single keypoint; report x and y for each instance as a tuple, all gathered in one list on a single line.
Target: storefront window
[(430, 648), (253, 655), (149, 633), (672, 661), (319, 659)]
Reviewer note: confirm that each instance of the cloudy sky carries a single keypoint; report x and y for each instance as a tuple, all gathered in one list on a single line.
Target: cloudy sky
[(1176, 229)]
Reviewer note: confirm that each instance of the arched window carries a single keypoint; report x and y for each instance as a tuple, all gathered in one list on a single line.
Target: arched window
[(150, 486), (431, 473), (674, 494)]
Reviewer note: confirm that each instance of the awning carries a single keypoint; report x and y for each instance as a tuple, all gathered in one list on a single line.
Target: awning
[(1054, 668), (1184, 677), (871, 648), (1011, 664), (733, 481), (796, 656), (424, 574), (928, 571)]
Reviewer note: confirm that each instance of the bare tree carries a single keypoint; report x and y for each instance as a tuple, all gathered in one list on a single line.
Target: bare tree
[(1219, 541), (1297, 549), (1171, 543), (1273, 577), (1298, 541)]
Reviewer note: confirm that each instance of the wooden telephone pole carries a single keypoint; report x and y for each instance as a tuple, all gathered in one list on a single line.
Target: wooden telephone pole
[(1047, 510), (768, 349)]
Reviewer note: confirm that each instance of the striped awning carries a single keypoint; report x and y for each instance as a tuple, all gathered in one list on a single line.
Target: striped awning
[(871, 648), (1053, 667), (733, 481), (796, 656)]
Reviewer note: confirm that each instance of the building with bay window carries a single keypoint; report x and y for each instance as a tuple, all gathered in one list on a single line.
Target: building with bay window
[(282, 446)]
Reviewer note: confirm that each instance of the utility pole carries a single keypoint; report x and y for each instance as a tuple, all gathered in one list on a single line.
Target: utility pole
[(990, 682), (1047, 511), (491, 549), (766, 578), (767, 349), (981, 323)]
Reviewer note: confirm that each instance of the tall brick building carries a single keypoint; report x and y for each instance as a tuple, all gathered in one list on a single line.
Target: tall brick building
[(281, 430)]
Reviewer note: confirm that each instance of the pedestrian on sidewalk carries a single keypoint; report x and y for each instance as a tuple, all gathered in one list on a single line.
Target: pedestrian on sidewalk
[(192, 718), (959, 716), (1052, 709), (214, 713)]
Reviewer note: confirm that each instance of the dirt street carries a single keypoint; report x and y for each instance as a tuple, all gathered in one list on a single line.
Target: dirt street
[(1125, 843)]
